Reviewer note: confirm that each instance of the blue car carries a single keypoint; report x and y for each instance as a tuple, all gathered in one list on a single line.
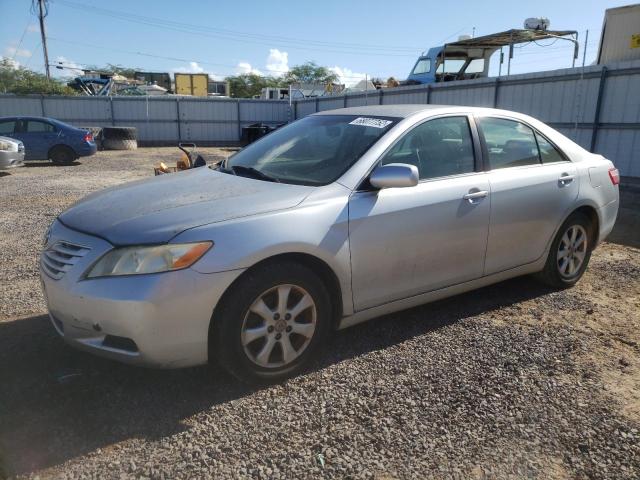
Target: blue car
[(49, 139)]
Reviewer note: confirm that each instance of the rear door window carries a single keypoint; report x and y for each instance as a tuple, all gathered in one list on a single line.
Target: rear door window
[(548, 153), (509, 143), (37, 126), (7, 127)]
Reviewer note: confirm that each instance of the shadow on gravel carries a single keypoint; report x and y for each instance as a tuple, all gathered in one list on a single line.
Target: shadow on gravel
[(47, 163), (57, 404)]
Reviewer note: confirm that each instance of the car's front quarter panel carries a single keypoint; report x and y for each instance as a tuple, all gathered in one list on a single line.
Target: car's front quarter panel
[(317, 227), (167, 314)]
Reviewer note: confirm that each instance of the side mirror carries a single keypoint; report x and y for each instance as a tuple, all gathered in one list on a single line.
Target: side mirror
[(394, 175)]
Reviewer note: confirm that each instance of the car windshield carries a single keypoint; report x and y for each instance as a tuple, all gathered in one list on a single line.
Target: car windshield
[(316, 150)]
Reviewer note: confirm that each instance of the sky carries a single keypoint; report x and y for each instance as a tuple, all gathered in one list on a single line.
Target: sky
[(354, 39)]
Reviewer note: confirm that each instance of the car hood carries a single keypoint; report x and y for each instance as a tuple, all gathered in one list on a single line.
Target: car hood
[(157, 209)]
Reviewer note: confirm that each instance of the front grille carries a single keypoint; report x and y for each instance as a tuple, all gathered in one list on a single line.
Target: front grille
[(60, 257), (21, 148)]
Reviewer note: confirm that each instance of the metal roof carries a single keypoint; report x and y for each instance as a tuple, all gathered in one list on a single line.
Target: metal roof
[(502, 39)]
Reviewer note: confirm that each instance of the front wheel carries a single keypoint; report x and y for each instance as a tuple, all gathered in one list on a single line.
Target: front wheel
[(271, 323), (569, 253)]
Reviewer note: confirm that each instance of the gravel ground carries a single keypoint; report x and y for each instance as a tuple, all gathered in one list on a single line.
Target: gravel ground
[(510, 381)]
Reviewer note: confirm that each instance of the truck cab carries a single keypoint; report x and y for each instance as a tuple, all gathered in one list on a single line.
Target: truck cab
[(443, 64), (468, 58)]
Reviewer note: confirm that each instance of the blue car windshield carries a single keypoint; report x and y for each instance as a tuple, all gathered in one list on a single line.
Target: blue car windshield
[(316, 150)]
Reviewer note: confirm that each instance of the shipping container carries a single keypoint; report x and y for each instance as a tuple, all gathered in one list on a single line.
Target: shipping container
[(196, 84), (620, 38)]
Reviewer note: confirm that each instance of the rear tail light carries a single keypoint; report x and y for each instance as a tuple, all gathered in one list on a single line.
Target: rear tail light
[(88, 137), (614, 175)]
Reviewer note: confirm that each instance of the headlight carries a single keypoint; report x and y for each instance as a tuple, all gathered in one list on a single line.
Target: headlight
[(148, 259), (7, 146)]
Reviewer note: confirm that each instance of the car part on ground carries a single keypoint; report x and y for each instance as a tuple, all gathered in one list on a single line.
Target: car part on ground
[(119, 138), (190, 158), (346, 215), (11, 153)]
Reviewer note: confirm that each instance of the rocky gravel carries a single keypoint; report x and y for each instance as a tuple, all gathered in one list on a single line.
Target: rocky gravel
[(510, 381)]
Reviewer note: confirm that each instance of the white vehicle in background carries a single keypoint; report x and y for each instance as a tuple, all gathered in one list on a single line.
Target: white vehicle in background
[(11, 153)]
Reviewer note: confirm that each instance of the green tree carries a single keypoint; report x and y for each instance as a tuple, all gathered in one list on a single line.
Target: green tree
[(248, 85), (20, 80), (309, 72)]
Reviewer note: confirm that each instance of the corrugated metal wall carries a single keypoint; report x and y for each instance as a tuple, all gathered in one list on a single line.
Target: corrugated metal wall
[(597, 107), (159, 120)]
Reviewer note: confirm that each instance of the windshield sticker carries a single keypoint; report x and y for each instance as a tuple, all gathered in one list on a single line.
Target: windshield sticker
[(371, 122)]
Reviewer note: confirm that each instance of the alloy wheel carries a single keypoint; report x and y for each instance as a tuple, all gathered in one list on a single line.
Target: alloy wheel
[(572, 251), (279, 326)]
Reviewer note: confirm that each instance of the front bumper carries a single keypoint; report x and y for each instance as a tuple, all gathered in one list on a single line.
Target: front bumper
[(11, 159), (159, 320)]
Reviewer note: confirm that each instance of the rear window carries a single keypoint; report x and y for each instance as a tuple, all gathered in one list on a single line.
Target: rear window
[(36, 126)]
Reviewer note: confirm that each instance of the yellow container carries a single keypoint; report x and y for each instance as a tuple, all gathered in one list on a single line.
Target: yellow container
[(195, 84)]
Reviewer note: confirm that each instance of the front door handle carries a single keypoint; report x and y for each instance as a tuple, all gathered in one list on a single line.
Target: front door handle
[(473, 196), (566, 179)]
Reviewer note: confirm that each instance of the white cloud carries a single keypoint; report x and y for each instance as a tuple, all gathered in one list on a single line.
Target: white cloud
[(193, 67), (245, 67), (71, 68), (12, 51), (347, 76), (277, 62), (33, 28)]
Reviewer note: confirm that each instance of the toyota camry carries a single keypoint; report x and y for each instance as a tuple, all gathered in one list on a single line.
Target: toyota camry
[(332, 220)]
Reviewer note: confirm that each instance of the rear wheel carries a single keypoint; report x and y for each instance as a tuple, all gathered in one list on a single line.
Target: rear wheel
[(271, 323), (569, 253), (62, 155)]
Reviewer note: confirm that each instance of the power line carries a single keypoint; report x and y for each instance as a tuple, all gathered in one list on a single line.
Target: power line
[(176, 59), (285, 42)]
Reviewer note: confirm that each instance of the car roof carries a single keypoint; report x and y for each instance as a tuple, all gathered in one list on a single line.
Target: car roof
[(33, 117), (407, 110)]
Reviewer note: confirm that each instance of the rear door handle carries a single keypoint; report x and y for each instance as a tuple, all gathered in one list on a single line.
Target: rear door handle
[(565, 179), (475, 195)]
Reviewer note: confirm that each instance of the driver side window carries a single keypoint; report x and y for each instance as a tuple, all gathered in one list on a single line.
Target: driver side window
[(439, 148)]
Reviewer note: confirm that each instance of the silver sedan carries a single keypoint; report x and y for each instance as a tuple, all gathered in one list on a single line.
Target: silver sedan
[(335, 219), (11, 153)]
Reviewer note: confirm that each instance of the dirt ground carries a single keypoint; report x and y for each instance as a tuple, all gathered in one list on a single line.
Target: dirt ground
[(511, 381)]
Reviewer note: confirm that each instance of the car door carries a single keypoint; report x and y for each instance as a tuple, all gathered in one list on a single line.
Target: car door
[(406, 241), (529, 196), (38, 137)]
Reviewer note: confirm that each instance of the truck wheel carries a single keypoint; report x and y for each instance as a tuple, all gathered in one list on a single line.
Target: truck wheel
[(271, 324), (62, 155)]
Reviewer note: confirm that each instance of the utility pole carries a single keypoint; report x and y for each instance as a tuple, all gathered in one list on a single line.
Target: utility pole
[(42, 12)]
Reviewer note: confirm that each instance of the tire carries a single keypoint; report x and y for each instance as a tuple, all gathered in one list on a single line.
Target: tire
[(120, 133), (238, 336), (119, 144), (62, 155), (564, 271)]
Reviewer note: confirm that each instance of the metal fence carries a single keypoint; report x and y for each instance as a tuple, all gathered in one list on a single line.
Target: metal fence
[(159, 120), (598, 107)]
